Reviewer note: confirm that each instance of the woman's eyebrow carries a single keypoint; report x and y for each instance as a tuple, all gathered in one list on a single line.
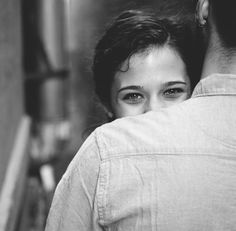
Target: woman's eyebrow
[(171, 83), (131, 87)]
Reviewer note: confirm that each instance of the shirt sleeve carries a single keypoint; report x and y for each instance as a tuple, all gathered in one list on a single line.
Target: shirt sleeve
[(73, 207)]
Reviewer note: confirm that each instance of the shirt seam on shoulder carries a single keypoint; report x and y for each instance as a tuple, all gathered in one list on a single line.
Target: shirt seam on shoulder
[(101, 183), (97, 140), (101, 200)]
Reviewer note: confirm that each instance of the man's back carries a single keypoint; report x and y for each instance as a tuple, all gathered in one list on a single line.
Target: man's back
[(168, 170), (186, 169)]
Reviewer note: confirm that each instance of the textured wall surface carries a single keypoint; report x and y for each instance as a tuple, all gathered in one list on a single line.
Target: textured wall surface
[(11, 103)]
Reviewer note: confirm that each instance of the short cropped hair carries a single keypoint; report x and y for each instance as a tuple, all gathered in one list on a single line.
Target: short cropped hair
[(224, 13), (133, 32)]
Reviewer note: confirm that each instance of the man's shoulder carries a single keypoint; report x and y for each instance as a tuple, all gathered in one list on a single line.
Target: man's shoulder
[(140, 124), (148, 132)]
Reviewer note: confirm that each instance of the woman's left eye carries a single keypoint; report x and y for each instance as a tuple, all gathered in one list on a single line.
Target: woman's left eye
[(173, 92)]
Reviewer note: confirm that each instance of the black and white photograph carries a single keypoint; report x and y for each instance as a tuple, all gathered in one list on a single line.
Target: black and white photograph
[(117, 115)]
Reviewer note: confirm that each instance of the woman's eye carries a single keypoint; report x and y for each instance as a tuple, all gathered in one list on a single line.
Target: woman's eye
[(133, 98), (173, 92)]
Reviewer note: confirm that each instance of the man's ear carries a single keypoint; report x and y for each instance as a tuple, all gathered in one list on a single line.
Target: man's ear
[(202, 12)]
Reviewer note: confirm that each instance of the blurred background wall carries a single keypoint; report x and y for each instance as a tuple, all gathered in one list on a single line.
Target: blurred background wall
[(11, 95), (14, 125)]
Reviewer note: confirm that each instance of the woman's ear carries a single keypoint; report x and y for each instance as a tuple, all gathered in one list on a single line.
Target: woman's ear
[(202, 12)]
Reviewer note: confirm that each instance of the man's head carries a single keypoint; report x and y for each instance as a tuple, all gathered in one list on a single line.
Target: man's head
[(221, 19)]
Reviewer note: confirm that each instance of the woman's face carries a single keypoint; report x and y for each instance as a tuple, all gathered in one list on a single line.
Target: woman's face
[(156, 78)]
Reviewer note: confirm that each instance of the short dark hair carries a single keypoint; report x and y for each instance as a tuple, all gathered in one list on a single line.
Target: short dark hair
[(225, 19), (134, 31)]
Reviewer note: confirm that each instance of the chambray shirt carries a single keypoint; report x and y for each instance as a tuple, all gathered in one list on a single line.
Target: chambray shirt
[(172, 170)]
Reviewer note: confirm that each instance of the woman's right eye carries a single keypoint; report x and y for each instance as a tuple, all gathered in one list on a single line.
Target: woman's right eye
[(133, 98)]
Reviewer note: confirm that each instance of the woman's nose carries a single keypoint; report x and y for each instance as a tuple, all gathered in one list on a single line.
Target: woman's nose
[(153, 105)]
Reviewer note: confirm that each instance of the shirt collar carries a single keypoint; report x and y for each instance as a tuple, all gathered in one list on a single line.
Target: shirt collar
[(216, 84)]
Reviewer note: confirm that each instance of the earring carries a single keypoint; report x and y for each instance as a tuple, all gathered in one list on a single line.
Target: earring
[(110, 115)]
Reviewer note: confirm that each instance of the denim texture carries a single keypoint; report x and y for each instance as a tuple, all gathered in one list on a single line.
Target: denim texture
[(174, 169)]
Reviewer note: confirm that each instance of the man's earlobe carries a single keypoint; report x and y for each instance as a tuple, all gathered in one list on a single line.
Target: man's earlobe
[(202, 12)]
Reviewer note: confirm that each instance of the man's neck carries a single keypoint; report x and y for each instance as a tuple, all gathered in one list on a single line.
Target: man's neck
[(219, 59)]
